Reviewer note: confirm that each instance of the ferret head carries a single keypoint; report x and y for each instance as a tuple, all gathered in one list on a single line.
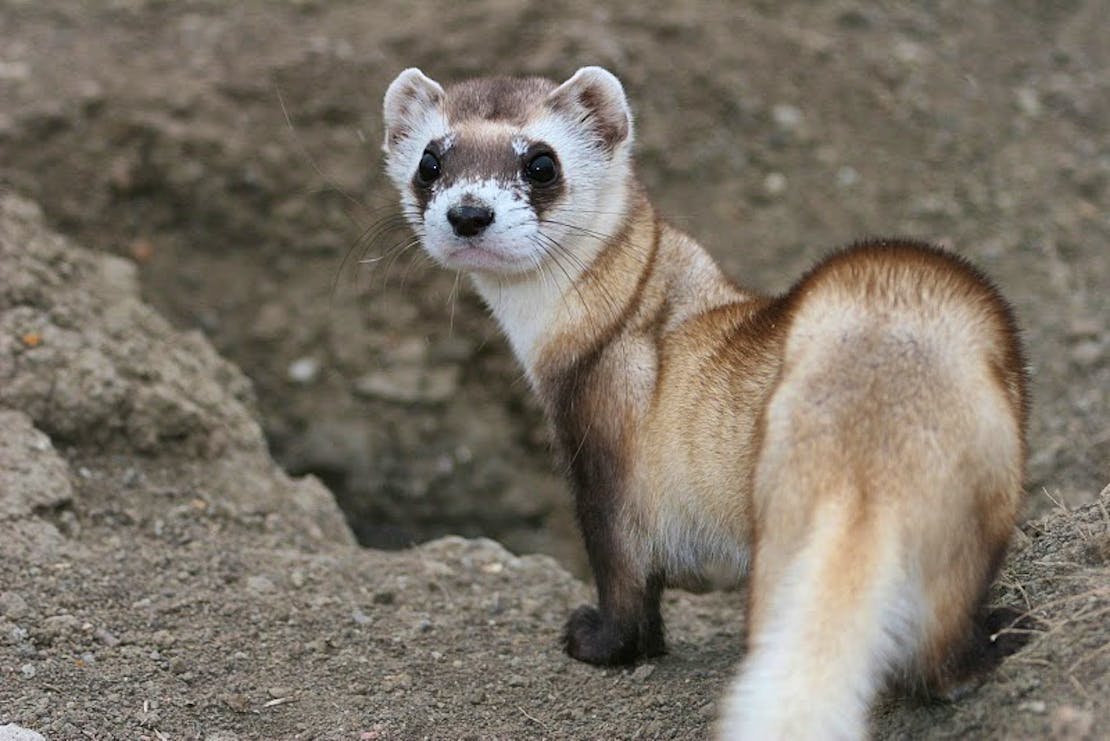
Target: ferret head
[(501, 175)]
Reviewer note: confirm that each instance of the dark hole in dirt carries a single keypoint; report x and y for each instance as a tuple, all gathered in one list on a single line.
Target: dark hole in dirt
[(371, 530)]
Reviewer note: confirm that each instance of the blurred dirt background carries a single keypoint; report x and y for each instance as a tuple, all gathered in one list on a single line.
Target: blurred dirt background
[(230, 155)]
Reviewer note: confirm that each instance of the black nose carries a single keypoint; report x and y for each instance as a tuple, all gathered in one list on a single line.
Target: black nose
[(468, 221)]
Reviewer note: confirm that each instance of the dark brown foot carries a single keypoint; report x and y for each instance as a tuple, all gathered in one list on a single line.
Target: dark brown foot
[(592, 638)]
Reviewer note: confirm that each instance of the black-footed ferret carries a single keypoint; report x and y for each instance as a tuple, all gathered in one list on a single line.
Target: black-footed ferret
[(855, 446)]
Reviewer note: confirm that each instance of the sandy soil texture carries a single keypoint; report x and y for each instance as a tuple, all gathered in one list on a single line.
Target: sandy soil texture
[(178, 530)]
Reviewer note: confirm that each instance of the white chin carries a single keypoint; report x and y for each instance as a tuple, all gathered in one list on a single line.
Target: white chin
[(478, 258)]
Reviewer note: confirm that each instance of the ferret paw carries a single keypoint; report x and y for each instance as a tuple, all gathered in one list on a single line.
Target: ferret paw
[(594, 639), (652, 643)]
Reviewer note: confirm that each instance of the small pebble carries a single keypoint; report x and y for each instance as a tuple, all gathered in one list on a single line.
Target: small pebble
[(846, 177), (12, 605), (12, 732), (908, 52), (1037, 707), (1089, 352), (105, 637), (304, 370), (775, 184), (297, 578), (397, 682), (642, 672), (1028, 102), (360, 617), (1084, 327), (276, 692), (60, 625), (260, 584), (237, 701), (786, 117), (14, 633)]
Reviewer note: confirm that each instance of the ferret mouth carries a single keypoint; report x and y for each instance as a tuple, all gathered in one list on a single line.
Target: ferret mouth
[(475, 256)]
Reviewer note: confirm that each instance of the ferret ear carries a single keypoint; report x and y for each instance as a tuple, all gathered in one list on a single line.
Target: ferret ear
[(407, 102), (595, 98)]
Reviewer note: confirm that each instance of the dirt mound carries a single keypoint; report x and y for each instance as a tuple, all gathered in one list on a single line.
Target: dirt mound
[(107, 378), (189, 589)]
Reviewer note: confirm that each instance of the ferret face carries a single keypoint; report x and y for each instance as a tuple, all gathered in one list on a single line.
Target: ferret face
[(502, 176)]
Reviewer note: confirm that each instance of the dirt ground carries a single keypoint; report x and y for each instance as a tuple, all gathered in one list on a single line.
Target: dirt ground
[(230, 153)]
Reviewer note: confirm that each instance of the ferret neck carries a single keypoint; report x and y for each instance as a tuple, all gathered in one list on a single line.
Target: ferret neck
[(573, 298)]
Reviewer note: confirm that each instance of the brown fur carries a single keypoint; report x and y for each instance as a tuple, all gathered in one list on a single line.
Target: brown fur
[(507, 99)]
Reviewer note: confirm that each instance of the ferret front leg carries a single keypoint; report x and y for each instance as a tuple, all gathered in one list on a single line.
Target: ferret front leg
[(626, 624)]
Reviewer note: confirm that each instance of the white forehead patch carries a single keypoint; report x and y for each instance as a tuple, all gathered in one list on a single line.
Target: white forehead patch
[(520, 145)]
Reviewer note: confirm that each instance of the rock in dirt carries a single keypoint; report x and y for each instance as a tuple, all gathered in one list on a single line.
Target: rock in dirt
[(32, 475), (260, 584), (59, 626), (410, 384), (105, 367), (12, 732), (111, 377), (12, 605)]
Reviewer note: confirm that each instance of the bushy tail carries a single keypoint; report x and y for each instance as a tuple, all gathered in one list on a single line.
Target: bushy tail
[(828, 624)]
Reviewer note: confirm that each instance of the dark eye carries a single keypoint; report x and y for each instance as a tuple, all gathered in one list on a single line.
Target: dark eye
[(541, 169), (428, 170)]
